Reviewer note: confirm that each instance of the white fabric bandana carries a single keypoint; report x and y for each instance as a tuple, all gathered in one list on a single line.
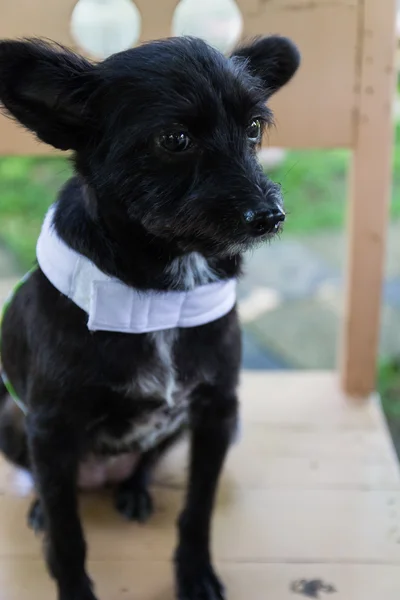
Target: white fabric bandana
[(114, 306)]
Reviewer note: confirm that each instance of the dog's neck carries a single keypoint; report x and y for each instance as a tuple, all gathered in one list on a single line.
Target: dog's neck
[(191, 270), (113, 306), (129, 253)]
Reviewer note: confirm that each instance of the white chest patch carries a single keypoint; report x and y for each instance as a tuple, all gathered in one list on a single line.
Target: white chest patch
[(191, 270), (157, 379)]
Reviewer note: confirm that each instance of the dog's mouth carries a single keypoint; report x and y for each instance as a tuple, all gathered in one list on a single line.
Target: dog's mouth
[(249, 244), (226, 245), (218, 237)]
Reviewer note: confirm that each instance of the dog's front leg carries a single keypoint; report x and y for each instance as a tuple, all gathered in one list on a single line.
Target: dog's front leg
[(213, 419), (54, 449)]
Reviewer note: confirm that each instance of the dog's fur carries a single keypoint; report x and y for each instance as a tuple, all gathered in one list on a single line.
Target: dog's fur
[(153, 218)]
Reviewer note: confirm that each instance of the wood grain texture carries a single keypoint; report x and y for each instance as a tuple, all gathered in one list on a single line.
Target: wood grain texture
[(312, 491), (370, 190)]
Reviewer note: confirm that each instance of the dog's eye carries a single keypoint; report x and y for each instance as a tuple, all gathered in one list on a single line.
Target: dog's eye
[(177, 141), (253, 131)]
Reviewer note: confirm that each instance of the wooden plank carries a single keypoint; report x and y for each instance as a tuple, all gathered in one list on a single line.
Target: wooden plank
[(156, 18), (278, 525), (369, 197), (315, 110), (279, 459), (139, 580), (304, 398), (22, 18)]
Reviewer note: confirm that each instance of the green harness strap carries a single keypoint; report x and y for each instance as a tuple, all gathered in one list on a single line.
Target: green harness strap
[(8, 385)]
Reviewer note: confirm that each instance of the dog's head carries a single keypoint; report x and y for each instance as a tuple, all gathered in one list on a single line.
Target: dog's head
[(164, 135)]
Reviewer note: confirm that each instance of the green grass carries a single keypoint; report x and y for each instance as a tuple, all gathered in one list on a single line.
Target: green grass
[(314, 187), (314, 183), (389, 389), (27, 188)]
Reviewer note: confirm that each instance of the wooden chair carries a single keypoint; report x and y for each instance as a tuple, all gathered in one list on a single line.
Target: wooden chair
[(313, 490)]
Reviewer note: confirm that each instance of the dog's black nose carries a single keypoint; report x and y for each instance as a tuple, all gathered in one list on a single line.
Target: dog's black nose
[(263, 221)]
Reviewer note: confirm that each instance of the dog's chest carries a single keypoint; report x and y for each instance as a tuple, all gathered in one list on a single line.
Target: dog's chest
[(156, 377), (156, 381), (163, 399)]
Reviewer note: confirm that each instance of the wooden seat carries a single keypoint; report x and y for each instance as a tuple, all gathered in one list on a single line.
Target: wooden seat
[(311, 492)]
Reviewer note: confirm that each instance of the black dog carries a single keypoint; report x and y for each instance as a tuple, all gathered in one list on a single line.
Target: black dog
[(168, 194)]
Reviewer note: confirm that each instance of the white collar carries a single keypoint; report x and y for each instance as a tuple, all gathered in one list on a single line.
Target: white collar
[(114, 306)]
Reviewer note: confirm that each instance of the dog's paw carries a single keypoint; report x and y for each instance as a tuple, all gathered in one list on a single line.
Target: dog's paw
[(135, 504), (198, 583), (36, 517)]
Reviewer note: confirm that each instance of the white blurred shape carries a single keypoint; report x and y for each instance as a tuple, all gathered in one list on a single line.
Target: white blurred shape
[(103, 27), (219, 23)]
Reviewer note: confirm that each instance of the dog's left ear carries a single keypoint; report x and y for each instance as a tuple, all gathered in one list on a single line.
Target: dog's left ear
[(274, 60), (47, 88)]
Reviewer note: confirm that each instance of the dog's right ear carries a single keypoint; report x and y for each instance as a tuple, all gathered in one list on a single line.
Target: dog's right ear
[(47, 88), (272, 59)]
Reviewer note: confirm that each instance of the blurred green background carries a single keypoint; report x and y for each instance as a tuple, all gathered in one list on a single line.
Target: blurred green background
[(314, 184)]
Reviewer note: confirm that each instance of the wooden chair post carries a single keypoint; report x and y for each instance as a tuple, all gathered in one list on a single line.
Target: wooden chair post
[(370, 186)]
